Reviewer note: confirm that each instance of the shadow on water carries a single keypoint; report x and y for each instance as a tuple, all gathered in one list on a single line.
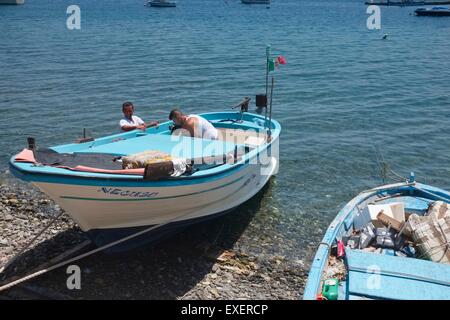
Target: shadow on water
[(167, 269)]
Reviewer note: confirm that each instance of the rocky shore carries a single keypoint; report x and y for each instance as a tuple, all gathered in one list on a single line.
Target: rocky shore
[(232, 257)]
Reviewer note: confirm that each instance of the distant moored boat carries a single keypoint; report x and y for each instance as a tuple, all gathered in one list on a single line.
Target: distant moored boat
[(435, 11), (404, 3), (12, 1), (255, 1), (161, 3)]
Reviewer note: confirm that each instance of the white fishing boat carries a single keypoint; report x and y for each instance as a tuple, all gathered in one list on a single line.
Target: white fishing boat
[(108, 202)]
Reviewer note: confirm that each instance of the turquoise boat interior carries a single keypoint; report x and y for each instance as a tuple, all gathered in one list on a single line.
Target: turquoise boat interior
[(381, 275), (242, 134)]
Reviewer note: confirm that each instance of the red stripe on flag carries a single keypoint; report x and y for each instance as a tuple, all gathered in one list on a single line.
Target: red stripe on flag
[(281, 60)]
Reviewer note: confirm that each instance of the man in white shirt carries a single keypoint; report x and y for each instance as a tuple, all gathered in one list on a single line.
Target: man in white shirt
[(132, 122), (197, 126)]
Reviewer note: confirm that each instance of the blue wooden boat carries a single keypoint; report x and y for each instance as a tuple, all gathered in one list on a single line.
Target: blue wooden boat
[(381, 275), (109, 202)]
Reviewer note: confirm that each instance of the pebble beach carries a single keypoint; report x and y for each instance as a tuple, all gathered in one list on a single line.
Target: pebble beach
[(213, 260)]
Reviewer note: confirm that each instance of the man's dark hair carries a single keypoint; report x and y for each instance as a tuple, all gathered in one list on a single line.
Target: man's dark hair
[(127, 104), (174, 113)]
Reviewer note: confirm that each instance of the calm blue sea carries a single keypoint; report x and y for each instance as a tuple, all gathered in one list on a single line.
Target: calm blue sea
[(344, 94)]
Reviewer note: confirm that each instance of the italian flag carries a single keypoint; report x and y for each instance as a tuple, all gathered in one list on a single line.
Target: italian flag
[(275, 62)]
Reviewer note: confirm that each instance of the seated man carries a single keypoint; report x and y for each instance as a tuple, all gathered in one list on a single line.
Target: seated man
[(131, 122), (197, 126)]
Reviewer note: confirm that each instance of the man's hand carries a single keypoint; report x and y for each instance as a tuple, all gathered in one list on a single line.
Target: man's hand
[(141, 127)]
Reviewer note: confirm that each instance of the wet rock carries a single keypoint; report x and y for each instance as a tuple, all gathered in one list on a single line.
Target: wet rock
[(13, 202), (226, 256), (265, 277), (140, 268), (87, 270), (214, 292)]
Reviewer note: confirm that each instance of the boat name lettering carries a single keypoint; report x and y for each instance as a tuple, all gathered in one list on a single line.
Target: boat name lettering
[(128, 193)]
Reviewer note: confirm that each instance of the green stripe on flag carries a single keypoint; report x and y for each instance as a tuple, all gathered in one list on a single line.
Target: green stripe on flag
[(271, 64)]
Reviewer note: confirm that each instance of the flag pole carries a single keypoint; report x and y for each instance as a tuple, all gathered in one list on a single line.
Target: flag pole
[(270, 114), (267, 80)]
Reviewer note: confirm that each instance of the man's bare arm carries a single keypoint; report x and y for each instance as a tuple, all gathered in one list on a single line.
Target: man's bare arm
[(152, 124), (190, 126), (130, 128)]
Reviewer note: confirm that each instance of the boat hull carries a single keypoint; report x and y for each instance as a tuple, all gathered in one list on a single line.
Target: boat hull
[(102, 237), (108, 213), (114, 206)]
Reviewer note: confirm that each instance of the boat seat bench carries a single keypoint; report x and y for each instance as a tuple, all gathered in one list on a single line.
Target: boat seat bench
[(378, 276)]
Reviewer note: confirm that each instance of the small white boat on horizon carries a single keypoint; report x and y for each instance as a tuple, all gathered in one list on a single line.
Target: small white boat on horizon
[(255, 1), (161, 3), (12, 2)]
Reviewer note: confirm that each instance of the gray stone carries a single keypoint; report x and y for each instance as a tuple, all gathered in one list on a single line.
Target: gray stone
[(13, 201)]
